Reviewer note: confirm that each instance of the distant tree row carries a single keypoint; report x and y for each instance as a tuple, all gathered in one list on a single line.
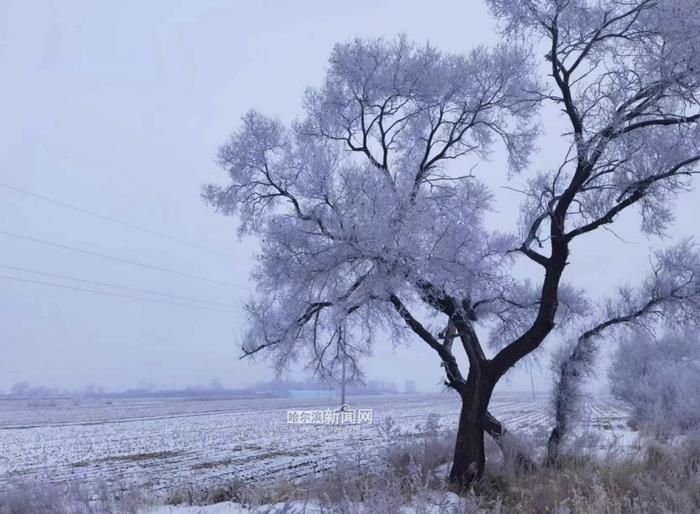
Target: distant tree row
[(26, 389), (275, 387)]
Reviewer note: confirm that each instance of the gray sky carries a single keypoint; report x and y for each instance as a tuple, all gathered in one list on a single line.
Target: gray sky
[(119, 108)]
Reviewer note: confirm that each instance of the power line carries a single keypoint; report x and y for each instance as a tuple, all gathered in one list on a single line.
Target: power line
[(118, 259), (118, 295), (116, 286), (117, 221)]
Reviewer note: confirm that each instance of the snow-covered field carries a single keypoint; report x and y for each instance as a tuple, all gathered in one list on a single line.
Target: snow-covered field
[(164, 443)]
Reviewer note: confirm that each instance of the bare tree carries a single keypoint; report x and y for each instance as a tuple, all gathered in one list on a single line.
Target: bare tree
[(365, 219)]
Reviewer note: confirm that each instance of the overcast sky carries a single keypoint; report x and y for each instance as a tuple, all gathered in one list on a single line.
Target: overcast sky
[(118, 108)]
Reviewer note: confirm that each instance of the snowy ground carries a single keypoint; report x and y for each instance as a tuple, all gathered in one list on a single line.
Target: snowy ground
[(440, 505), (164, 443)]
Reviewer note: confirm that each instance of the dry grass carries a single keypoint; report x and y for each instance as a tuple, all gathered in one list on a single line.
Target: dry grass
[(411, 472), (26, 498), (665, 480)]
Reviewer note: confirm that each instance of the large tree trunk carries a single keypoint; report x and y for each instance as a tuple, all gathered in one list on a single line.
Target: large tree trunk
[(469, 457)]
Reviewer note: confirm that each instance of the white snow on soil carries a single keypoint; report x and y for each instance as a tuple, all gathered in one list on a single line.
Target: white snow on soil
[(165, 444)]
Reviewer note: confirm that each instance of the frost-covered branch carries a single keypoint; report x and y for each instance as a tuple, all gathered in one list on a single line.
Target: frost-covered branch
[(627, 76), (671, 293), (354, 204)]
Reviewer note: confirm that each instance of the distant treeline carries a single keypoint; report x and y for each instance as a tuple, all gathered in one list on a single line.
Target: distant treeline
[(272, 388)]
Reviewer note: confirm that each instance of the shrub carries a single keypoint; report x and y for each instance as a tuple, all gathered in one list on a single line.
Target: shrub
[(659, 379)]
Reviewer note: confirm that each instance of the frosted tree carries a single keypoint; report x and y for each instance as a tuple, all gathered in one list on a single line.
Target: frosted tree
[(669, 295), (659, 379), (367, 221), (363, 223), (626, 75)]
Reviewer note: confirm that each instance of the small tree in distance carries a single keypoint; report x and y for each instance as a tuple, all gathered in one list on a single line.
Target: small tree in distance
[(367, 219), (659, 379)]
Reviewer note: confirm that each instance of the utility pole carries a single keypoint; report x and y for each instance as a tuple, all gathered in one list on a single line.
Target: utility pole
[(342, 363)]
